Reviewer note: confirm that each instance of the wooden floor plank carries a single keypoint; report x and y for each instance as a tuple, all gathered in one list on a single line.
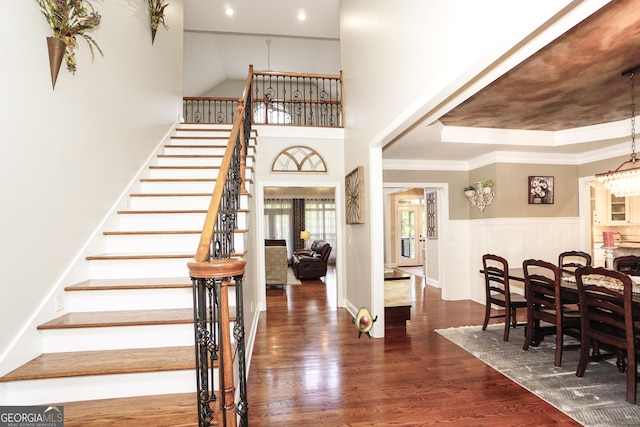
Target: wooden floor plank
[(309, 368)]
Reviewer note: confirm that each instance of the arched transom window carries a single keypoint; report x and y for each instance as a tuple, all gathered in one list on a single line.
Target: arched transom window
[(299, 159)]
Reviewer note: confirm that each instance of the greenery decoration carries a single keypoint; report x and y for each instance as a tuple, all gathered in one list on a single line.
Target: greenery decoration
[(69, 19), (156, 13)]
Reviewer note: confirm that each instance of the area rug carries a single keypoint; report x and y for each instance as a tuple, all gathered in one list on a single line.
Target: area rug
[(595, 400), (291, 278)]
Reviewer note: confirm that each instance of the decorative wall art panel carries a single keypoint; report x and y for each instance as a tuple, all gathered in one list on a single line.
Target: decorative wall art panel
[(354, 189), (540, 190)]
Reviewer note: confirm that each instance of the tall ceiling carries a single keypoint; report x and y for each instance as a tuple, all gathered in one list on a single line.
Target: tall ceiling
[(264, 33), (573, 82)]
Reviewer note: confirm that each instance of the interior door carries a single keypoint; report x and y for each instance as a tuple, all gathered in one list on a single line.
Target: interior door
[(410, 231)]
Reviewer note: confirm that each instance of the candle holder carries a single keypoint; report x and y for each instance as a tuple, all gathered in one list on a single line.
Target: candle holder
[(480, 195), (608, 257)]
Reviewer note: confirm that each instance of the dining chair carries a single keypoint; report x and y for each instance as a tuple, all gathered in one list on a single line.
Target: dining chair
[(606, 315), (570, 260), (627, 264), (498, 293), (545, 304)]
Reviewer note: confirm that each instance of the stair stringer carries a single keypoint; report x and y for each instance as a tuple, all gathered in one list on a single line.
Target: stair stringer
[(121, 267)]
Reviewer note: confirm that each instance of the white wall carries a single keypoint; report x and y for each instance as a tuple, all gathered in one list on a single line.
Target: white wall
[(329, 143), (67, 155), (517, 239), (418, 54)]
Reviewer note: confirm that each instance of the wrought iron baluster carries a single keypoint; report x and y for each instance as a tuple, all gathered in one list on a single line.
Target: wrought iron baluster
[(205, 293)]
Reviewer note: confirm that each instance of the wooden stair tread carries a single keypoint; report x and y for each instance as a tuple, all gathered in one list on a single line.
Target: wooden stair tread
[(166, 410), (177, 180), (196, 156), (222, 144), (97, 319), (124, 256), (188, 211), (132, 256), (190, 156), (104, 362), (184, 167), (165, 232), (148, 232), (170, 195), (144, 283)]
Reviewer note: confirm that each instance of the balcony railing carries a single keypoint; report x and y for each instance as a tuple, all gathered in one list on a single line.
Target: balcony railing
[(284, 99)]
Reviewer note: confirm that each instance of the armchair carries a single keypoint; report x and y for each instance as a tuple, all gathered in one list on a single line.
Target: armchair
[(311, 264), (275, 262)]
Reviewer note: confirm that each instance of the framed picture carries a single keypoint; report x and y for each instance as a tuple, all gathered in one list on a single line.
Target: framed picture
[(354, 196), (540, 190)]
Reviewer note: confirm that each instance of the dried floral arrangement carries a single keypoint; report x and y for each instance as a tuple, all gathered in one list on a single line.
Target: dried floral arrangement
[(156, 13), (69, 19)]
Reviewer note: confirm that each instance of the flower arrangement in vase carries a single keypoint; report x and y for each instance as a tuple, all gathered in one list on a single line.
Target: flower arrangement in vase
[(156, 14), (69, 19)]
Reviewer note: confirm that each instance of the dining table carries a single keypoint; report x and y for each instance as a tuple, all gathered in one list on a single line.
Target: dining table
[(568, 283)]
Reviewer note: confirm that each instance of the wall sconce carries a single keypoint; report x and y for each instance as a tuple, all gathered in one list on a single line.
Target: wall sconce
[(480, 194), (305, 235)]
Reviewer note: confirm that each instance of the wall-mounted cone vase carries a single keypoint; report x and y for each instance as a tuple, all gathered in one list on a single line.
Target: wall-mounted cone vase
[(56, 54)]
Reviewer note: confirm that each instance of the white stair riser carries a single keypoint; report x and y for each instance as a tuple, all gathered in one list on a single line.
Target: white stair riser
[(115, 338), (138, 269), (187, 187), (176, 203), (177, 173), (189, 161), (205, 139), (164, 222), (146, 243), (170, 222), (201, 148), (130, 299), (142, 203), (195, 161), (150, 243), (82, 388)]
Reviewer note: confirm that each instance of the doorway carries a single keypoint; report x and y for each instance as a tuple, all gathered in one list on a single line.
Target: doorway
[(411, 225), (433, 214)]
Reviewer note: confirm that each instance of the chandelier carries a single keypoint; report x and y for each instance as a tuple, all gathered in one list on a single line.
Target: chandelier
[(625, 182)]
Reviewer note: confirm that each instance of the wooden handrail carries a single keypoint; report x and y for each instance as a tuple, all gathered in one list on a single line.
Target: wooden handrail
[(208, 229), (203, 251), (287, 74)]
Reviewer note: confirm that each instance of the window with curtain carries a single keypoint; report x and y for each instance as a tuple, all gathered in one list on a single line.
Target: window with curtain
[(278, 220), (320, 221)]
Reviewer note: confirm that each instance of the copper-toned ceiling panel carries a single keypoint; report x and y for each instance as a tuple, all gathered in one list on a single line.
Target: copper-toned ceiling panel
[(574, 81)]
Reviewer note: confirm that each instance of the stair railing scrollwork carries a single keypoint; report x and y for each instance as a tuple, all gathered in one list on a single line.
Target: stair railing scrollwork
[(214, 269), (283, 99)]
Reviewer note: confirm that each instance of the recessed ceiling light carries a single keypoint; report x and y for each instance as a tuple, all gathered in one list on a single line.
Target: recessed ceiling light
[(229, 11), (302, 16)]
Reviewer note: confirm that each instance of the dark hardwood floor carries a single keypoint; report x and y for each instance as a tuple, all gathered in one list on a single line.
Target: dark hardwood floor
[(310, 368)]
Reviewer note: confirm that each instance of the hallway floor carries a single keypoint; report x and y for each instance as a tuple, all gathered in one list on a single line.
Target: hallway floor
[(310, 368)]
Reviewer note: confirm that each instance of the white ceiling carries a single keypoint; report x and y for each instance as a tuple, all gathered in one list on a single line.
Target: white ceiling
[(231, 43)]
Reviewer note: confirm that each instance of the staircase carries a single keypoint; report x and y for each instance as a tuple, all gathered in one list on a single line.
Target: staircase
[(128, 330)]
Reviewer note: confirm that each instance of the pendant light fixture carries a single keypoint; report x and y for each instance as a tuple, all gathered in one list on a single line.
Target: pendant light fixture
[(626, 182)]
